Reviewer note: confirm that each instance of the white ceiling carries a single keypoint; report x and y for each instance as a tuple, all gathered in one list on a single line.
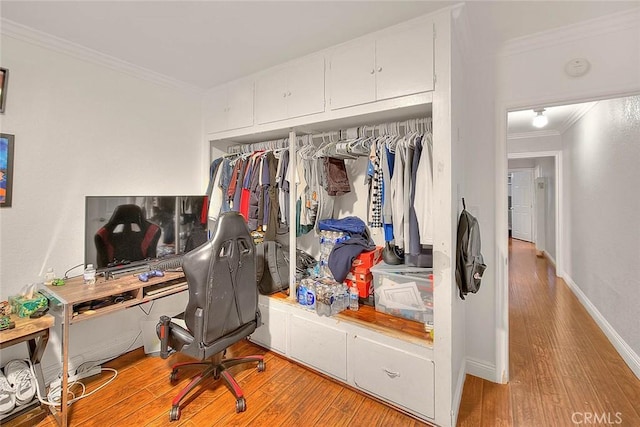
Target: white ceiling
[(561, 118), (205, 43)]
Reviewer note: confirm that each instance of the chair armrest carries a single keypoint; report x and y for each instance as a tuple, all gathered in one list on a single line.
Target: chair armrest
[(163, 333)]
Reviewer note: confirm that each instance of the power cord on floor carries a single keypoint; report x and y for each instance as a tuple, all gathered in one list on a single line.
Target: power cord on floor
[(54, 397)]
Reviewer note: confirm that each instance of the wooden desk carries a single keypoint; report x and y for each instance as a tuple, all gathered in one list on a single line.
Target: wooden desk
[(35, 332), (74, 298)]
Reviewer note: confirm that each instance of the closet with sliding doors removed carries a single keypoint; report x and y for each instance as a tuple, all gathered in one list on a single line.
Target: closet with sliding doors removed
[(346, 115)]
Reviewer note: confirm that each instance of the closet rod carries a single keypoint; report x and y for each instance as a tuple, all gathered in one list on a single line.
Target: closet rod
[(259, 146)]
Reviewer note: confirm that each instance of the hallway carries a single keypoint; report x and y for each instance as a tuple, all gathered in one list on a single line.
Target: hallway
[(563, 369)]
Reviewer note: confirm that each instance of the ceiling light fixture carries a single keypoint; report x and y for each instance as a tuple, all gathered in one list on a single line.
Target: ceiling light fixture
[(540, 120)]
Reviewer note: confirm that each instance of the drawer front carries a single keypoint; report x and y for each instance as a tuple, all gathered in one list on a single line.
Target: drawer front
[(273, 332), (403, 378), (320, 346)]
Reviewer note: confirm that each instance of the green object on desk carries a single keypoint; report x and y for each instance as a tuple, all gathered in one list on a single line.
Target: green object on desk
[(57, 282), (24, 307), (6, 323)]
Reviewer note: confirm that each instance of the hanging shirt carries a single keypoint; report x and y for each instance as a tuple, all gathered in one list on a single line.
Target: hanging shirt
[(424, 188)]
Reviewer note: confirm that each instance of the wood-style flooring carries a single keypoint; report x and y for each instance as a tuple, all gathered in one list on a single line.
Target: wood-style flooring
[(561, 366), (563, 369)]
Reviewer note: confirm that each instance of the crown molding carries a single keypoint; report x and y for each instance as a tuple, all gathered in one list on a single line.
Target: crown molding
[(576, 115), (533, 134), (29, 35), (593, 27)]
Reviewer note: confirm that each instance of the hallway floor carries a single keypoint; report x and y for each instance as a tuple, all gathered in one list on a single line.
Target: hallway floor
[(563, 369)]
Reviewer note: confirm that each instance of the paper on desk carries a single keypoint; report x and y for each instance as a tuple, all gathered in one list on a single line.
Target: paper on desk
[(401, 296)]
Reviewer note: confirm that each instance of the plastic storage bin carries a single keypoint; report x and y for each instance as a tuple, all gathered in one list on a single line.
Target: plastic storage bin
[(404, 291)]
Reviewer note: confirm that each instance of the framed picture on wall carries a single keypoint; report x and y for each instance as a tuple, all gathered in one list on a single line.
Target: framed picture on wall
[(4, 77), (6, 169)]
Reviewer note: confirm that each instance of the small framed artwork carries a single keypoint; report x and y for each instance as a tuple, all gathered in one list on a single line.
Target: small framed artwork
[(4, 77), (6, 169)]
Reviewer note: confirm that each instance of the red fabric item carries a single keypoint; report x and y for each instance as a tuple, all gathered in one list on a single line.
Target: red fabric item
[(205, 211), (244, 203)]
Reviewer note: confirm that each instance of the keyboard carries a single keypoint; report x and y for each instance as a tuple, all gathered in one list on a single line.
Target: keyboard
[(173, 262)]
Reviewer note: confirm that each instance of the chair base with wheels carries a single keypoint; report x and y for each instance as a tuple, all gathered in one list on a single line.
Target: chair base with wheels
[(216, 368)]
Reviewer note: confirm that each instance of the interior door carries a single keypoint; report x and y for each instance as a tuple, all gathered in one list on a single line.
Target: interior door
[(522, 204)]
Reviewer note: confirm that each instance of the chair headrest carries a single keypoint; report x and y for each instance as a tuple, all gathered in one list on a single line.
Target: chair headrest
[(230, 225), (127, 214)]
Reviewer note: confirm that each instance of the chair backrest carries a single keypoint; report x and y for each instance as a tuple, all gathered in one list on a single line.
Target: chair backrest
[(127, 236), (223, 293)]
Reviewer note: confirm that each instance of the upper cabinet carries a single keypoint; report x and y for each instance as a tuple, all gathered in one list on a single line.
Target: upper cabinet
[(228, 107), (393, 64), (294, 90)]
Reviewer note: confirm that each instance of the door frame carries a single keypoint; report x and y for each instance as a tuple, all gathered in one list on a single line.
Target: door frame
[(501, 225), (534, 175), (559, 185)]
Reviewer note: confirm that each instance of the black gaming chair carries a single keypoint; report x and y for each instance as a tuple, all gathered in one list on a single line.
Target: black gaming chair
[(127, 236), (222, 307)]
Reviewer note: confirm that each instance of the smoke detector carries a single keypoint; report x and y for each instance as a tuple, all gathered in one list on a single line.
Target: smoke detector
[(577, 67)]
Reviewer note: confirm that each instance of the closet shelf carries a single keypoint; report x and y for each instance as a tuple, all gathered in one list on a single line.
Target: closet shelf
[(368, 317)]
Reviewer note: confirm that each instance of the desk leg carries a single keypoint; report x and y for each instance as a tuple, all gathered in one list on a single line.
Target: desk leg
[(36, 350), (64, 406)]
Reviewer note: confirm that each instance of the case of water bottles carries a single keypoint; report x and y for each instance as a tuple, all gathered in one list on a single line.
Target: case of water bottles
[(324, 296), (328, 239)]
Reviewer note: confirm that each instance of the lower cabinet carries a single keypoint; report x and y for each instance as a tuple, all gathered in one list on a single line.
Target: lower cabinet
[(399, 372), (320, 346), (395, 375), (273, 331)]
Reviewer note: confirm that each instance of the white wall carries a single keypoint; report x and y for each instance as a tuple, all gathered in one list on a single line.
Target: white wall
[(530, 73), (84, 129), (546, 168), (521, 164), (602, 154), (536, 143), (478, 171)]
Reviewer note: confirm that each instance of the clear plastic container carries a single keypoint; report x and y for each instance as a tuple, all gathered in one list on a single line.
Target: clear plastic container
[(89, 275)]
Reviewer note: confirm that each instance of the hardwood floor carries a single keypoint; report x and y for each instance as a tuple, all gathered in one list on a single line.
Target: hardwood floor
[(563, 369), (285, 394), (561, 366)]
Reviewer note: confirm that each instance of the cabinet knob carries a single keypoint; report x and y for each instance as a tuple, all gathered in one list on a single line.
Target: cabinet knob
[(284, 95), (372, 71), (379, 69), (288, 93)]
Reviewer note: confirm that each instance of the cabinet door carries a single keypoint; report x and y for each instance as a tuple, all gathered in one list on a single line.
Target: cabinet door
[(214, 110), (352, 72), (305, 87), (319, 346), (271, 94), (273, 331), (404, 62), (240, 104), (395, 375)]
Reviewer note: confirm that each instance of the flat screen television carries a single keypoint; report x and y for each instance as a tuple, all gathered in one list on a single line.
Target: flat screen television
[(126, 229)]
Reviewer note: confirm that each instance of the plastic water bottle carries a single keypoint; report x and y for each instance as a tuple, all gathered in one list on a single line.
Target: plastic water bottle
[(49, 276), (353, 298), (311, 295), (89, 275)]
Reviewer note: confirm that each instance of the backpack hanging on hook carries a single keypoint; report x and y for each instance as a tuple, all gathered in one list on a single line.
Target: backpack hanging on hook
[(470, 264)]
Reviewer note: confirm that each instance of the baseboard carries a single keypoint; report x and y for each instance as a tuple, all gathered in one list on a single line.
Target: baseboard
[(457, 396), (99, 353), (482, 369), (549, 258), (630, 357)]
